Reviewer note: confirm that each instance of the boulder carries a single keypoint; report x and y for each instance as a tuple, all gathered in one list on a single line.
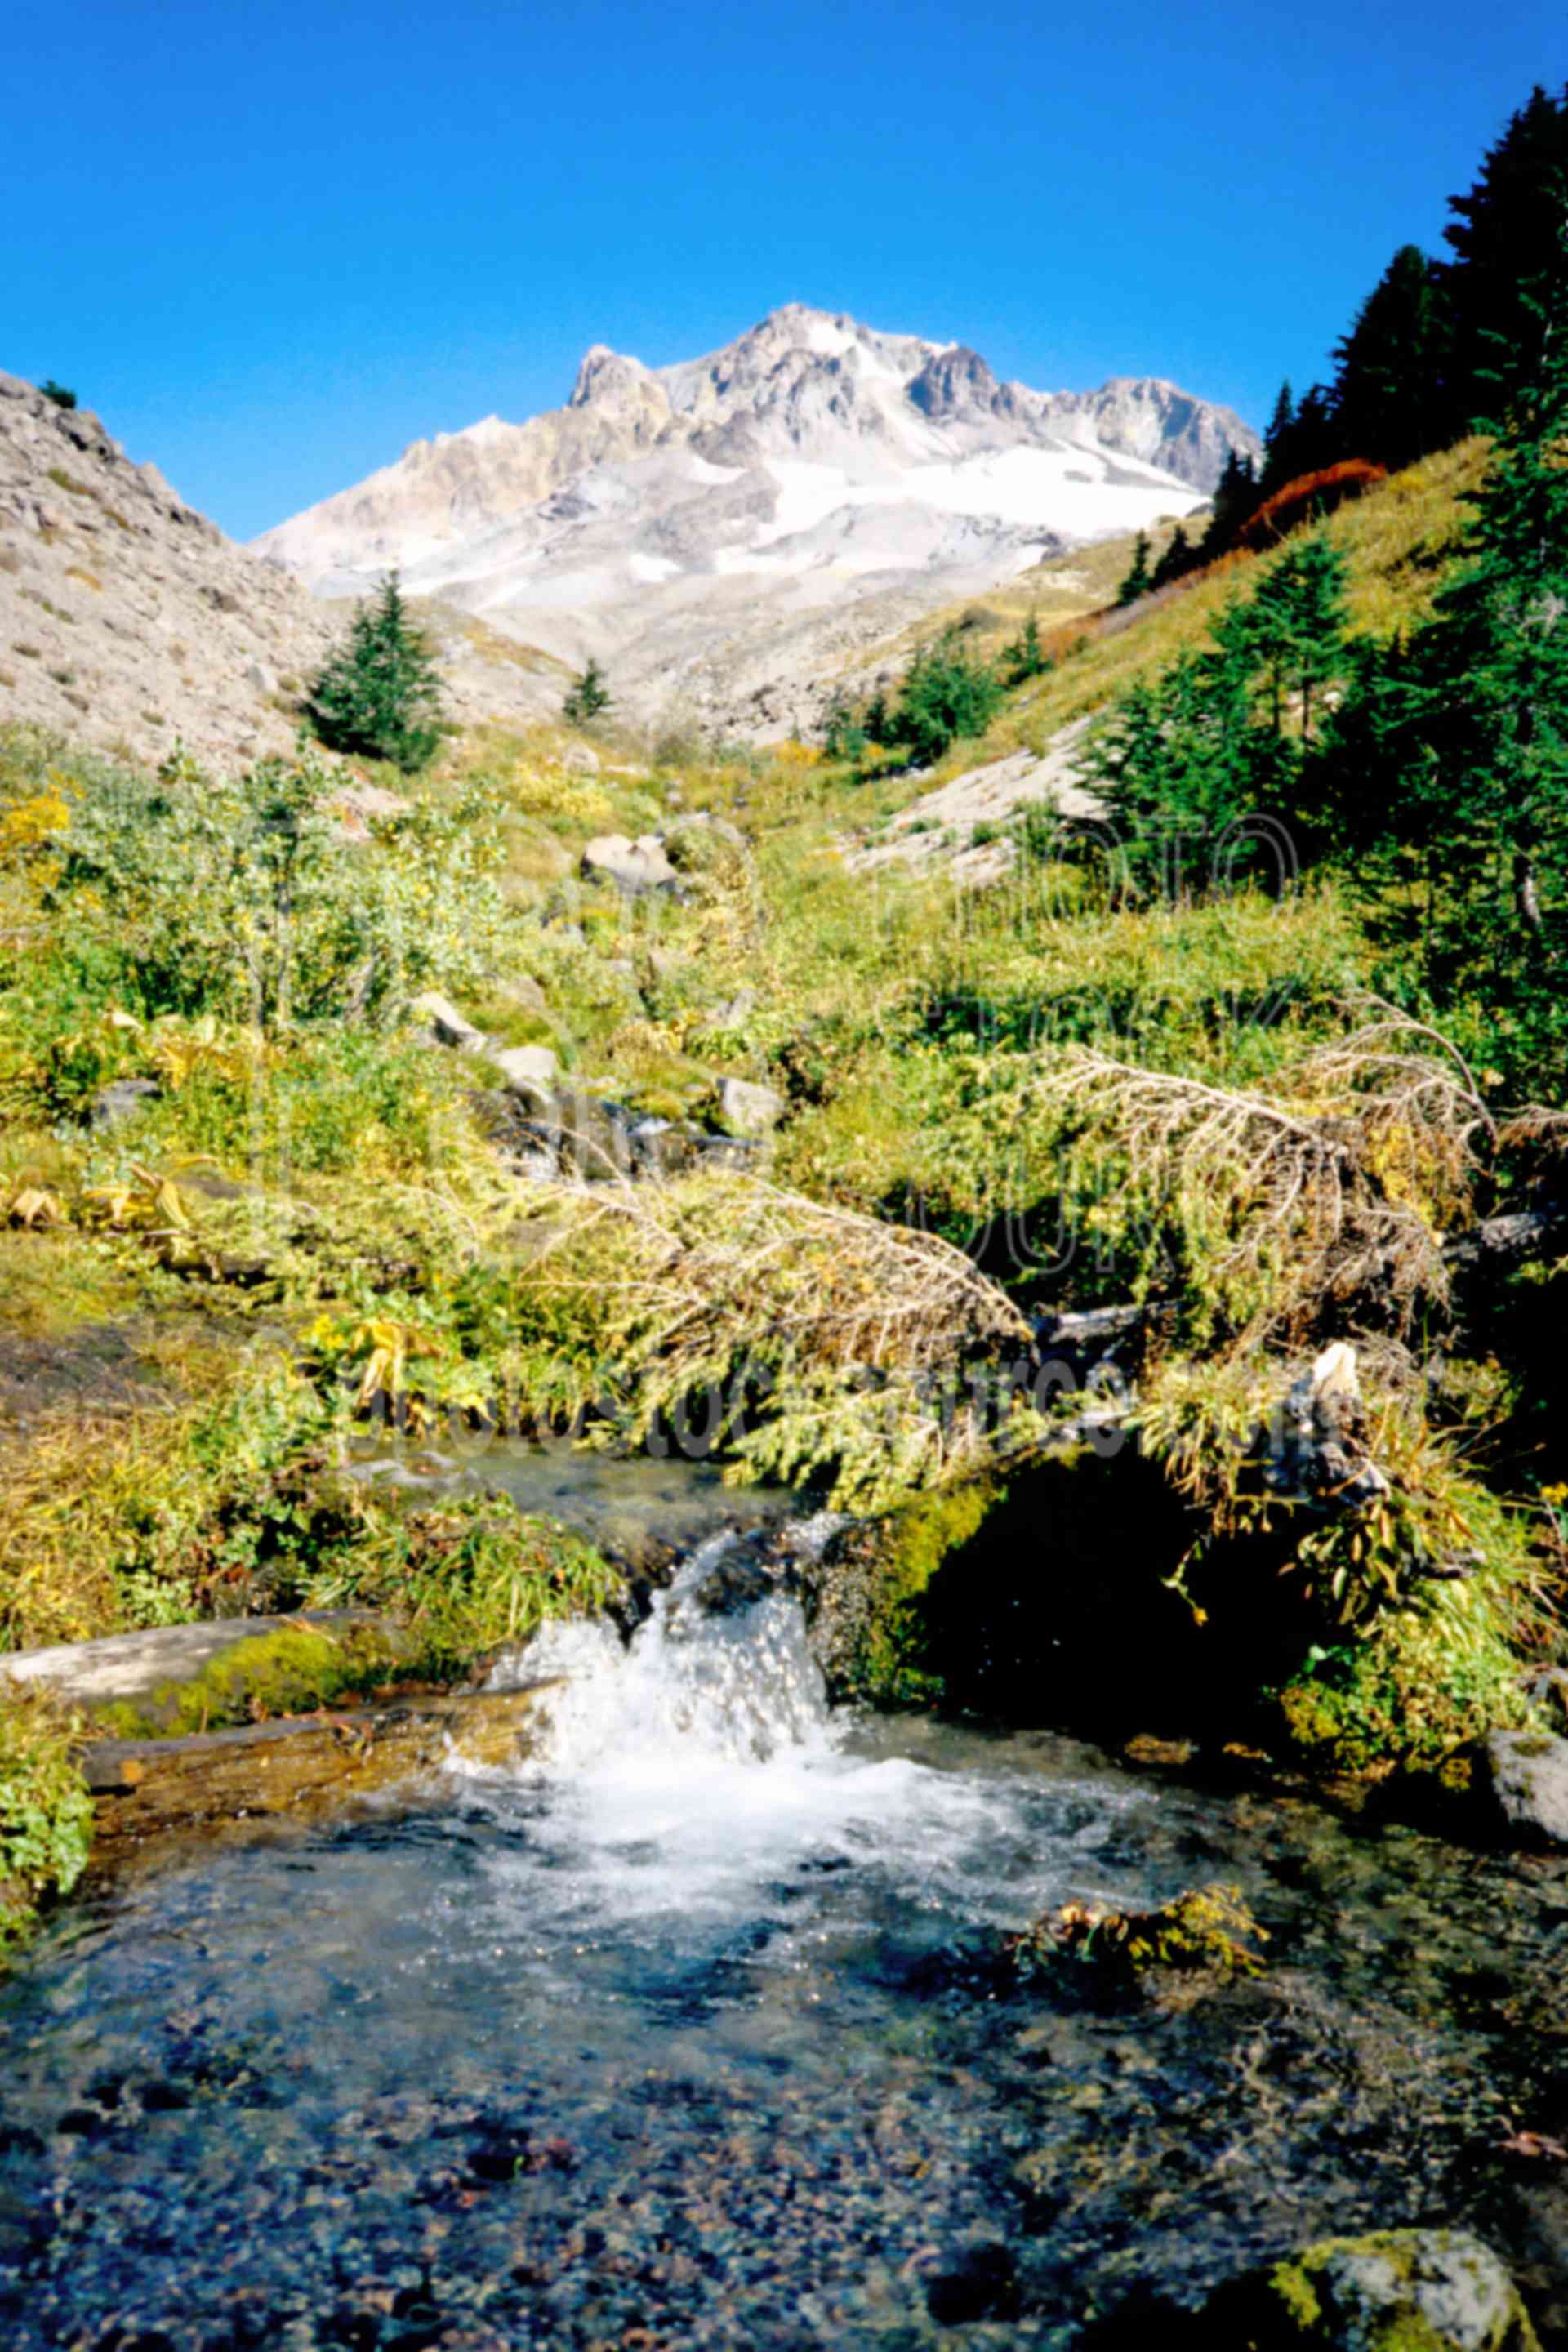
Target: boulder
[(1392, 2291), (1525, 1775), (529, 1070), (634, 866), (450, 1026), (748, 1110), (580, 761)]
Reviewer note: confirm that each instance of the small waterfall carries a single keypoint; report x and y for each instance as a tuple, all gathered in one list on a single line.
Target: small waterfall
[(681, 1775), (733, 1685)]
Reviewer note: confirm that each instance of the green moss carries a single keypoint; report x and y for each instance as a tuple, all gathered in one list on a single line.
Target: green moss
[(287, 1671), (890, 1660), (1291, 2281), (1424, 1681), (1203, 1934)]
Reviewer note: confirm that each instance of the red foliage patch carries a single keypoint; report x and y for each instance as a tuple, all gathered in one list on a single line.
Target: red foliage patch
[(1308, 496)]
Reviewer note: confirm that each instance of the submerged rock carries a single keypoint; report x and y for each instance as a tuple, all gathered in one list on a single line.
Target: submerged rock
[(977, 2280), (1392, 2290)]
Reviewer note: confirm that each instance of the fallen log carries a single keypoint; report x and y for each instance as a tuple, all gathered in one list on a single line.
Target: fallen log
[(300, 1766)]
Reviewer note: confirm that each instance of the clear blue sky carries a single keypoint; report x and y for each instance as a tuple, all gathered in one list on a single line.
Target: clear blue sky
[(271, 246)]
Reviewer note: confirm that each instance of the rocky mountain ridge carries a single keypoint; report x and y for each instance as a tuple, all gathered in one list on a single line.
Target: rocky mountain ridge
[(722, 529)]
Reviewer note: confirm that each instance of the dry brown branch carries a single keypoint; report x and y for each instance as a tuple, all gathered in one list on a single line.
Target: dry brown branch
[(1334, 1188), (700, 1257)]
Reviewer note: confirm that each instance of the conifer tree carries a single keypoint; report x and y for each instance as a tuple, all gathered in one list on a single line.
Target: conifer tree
[(1311, 442), (1023, 656), (1235, 499), (1453, 753), (1387, 391), (379, 696), (944, 695), (1177, 556), (1135, 581), (588, 698), (1276, 441), (1504, 237), (1297, 619)]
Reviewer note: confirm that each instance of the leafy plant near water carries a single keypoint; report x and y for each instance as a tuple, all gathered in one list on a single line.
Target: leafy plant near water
[(45, 1814), (1427, 1604), (241, 1502)]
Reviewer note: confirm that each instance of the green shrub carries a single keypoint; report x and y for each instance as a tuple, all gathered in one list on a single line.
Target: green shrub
[(238, 899), (45, 1814), (945, 694)]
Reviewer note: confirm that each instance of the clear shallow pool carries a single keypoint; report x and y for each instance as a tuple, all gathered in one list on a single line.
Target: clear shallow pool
[(697, 2035)]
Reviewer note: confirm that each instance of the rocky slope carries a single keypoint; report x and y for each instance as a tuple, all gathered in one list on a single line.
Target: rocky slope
[(724, 530), (129, 621)]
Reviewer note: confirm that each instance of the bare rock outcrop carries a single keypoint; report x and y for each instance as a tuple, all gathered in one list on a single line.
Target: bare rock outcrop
[(129, 622), (127, 619)]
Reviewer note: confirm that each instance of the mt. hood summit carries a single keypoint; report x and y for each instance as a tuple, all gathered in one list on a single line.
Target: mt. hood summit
[(730, 525)]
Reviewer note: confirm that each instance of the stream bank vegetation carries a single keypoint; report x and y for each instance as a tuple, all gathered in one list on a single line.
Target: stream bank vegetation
[(1074, 1189)]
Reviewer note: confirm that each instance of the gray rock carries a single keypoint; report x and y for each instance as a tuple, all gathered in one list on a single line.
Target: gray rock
[(582, 1133), (1525, 1774), (724, 829), (634, 866), (121, 1099), (734, 1014), (450, 1026), (536, 1163), (1435, 2290), (749, 1110), (155, 1664), (264, 680), (580, 761), (528, 1069), (525, 992)]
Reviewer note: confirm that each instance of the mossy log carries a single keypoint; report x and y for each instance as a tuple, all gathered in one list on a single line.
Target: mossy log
[(302, 1767)]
